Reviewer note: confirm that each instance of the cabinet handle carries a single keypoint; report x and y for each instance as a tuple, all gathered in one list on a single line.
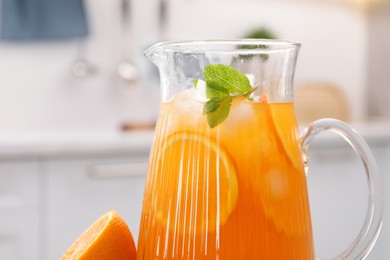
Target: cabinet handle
[(110, 171)]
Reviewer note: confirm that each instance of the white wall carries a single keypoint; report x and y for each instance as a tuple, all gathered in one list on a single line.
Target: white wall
[(378, 89), (333, 36), (38, 93)]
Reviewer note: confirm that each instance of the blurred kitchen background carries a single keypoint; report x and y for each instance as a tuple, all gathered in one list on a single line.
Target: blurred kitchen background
[(78, 101)]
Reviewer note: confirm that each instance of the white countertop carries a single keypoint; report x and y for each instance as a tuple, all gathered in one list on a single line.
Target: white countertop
[(65, 145), (139, 142)]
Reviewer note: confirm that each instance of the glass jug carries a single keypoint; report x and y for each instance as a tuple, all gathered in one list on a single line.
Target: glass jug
[(226, 177)]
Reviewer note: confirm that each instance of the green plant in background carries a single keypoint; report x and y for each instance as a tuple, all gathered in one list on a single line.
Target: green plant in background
[(257, 33), (260, 33)]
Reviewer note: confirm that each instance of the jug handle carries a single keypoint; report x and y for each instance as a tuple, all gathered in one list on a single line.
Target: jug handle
[(369, 233)]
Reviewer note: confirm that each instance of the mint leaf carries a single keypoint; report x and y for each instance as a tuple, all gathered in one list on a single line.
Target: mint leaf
[(221, 84), (217, 110), (214, 90), (226, 77), (249, 93), (213, 104)]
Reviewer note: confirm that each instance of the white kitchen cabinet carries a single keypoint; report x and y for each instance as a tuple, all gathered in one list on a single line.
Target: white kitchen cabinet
[(80, 190), (382, 249), (19, 210)]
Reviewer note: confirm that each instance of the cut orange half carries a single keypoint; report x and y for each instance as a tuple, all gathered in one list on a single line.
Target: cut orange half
[(200, 184), (107, 238)]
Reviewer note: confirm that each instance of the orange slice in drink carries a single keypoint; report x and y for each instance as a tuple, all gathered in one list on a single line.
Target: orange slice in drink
[(283, 121), (284, 185), (107, 238), (200, 184)]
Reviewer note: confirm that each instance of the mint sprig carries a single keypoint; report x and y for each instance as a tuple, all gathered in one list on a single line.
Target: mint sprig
[(223, 83)]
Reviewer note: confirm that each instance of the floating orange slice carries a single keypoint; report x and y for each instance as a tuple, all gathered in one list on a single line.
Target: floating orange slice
[(284, 183), (200, 183), (283, 121)]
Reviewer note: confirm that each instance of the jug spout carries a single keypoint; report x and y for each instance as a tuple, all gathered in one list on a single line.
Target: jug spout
[(154, 53)]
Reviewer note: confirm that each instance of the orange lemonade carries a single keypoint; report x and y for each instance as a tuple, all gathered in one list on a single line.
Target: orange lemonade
[(237, 191)]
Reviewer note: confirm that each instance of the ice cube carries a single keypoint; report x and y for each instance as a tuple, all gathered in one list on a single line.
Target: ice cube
[(200, 90), (241, 112), (187, 101)]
